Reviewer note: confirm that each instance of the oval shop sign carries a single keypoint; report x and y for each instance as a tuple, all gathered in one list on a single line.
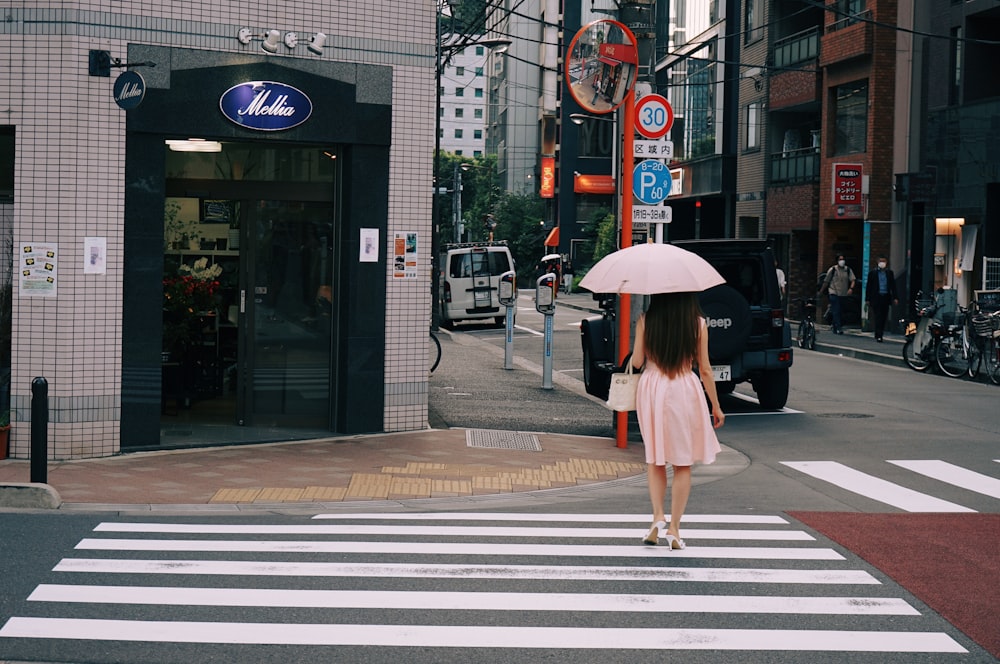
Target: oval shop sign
[(129, 90), (265, 105)]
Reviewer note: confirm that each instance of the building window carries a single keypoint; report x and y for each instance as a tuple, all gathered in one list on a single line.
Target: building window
[(459, 92), (440, 133), (479, 71), (458, 133), (851, 113), (480, 50), (441, 91), (477, 113), (459, 112), (477, 153), (458, 153), (479, 93), (477, 134), (753, 126), (459, 71), (846, 12), (753, 21), (441, 112)]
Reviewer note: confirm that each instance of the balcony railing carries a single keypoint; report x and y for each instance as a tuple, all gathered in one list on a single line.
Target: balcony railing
[(794, 166), (797, 48)]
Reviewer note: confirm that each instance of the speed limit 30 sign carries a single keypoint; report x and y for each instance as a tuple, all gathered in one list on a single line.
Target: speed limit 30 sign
[(653, 116)]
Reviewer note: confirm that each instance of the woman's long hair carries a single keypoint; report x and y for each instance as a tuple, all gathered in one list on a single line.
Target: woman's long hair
[(671, 338)]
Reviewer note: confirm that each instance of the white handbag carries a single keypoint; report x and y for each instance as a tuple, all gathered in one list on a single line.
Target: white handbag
[(621, 395)]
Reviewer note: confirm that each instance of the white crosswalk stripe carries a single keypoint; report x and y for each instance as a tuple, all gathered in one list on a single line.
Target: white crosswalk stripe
[(430, 569), (897, 495)]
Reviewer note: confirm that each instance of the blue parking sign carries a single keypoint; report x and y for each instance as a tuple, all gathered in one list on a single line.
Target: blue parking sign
[(651, 182)]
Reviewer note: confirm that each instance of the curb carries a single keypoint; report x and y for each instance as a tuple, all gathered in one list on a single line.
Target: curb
[(29, 495)]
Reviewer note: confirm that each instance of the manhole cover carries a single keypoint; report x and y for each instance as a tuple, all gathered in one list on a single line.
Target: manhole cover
[(504, 440), (846, 416)]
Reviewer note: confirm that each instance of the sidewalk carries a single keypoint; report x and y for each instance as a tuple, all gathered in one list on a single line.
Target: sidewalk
[(433, 463)]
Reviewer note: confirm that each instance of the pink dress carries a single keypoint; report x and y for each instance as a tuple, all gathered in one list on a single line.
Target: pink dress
[(674, 419)]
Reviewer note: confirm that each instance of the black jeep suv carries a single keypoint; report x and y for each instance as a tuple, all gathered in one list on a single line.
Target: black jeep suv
[(748, 336)]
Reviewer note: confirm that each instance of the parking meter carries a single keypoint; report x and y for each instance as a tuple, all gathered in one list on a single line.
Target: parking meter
[(507, 294), (545, 303)]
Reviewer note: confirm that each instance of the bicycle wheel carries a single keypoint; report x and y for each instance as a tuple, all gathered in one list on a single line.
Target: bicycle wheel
[(434, 352), (811, 337), (801, 336), (915, 361), (975, 356), (991, 361), (949, 357)]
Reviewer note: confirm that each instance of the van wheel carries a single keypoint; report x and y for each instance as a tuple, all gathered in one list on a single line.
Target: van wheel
[(500, 321), (447, 324)]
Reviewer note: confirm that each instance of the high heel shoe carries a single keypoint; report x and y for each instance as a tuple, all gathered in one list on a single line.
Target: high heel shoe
[(675, 542), (655, 531)]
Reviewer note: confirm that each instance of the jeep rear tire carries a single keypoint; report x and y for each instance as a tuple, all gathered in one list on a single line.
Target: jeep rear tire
[(772, 388), (729, 321)]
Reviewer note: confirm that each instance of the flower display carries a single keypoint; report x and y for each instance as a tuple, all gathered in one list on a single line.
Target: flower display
[(185, 298)]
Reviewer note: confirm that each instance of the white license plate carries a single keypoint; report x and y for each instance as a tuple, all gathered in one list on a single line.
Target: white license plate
[(722, 372)]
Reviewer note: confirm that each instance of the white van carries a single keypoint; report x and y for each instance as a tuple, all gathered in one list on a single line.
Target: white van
[(470, 281)]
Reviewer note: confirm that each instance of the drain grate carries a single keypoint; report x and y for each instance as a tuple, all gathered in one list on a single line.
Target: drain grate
[(847, 416), (503, 440)]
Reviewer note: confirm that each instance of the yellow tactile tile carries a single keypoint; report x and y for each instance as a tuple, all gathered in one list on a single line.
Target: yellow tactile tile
[(324, 493), (279, 495), (235, 496), (366, 485), (410, 486), (490, 482), (459, 487)]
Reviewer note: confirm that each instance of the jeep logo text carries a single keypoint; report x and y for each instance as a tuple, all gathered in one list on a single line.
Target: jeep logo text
[(724, 323)]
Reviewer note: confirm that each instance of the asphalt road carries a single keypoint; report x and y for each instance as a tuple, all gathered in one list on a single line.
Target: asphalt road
[(548, 576)]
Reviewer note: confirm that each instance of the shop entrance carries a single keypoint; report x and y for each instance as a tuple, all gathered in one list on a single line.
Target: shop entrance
[(250, 260)]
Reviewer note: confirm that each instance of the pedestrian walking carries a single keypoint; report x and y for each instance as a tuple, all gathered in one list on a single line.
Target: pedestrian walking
[(838, 283), (671, 338), (880, 292), (568, 277)]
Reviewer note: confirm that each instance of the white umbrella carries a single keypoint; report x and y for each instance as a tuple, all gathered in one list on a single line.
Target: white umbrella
[(646, 269), (551, 257)]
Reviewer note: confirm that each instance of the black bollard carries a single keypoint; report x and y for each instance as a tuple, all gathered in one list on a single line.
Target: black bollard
[(40, 430)]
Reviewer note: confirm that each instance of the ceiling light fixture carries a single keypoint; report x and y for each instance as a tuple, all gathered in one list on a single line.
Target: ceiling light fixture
[(271, 41), (316, 43), (194, 145)]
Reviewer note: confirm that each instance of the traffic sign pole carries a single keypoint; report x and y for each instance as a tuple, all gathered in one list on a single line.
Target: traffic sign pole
[(624, 299)]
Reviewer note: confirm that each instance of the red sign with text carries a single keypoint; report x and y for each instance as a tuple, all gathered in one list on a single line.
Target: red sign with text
[(847, 184), (548, 188)]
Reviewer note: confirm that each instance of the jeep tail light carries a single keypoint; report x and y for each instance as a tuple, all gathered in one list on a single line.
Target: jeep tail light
[(785, 356), (447, 292), (777, 318)]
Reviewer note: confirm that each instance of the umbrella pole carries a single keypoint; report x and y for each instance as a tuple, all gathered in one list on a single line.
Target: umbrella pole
[(624, 300)]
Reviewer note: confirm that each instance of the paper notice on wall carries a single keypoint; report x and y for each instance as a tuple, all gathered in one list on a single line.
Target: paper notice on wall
[(95, 251), (37, 264), (369, 245), (404, 256)]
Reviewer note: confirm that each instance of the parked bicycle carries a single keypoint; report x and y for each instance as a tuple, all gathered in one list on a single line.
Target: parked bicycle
[(920, 346), (953, 353), (986, 338), (806, 336), (434, 352)]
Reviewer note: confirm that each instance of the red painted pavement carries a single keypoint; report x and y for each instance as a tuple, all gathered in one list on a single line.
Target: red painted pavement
[(951, 562)]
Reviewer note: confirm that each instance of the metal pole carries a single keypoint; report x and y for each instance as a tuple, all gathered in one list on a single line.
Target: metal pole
[(39, 430), (508, 346), (456, 201), (436, 197), (624, 306)]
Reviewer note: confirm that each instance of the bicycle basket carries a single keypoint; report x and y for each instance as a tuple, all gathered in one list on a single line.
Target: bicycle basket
[(985, 325)]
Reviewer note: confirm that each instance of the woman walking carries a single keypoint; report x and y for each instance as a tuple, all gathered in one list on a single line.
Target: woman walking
[(676, 426)]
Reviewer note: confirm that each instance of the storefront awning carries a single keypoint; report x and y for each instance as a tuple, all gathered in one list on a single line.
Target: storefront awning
[(608, 61), (553, 239)]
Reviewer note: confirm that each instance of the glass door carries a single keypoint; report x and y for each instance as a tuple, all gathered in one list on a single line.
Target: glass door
[(286, 292)]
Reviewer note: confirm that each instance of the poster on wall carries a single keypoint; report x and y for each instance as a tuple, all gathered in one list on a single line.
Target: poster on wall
[(37, 264), (369, 245), (404, 256), (95, 250)]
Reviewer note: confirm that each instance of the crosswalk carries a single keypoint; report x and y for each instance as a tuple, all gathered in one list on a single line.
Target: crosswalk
[(474, 580), (942, 474)]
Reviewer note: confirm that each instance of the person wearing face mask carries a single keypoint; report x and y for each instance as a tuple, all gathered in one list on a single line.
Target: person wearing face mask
[(838, 283), (880, 292)]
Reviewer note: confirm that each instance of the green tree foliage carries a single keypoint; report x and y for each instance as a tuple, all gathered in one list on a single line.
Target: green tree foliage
[(601, 236), (519, 220), (480, 192)]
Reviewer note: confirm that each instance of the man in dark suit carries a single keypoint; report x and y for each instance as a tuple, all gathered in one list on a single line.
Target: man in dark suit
[(880, 291)]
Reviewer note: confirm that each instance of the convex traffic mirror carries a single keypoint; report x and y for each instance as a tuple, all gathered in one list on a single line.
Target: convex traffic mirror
[(602, 65)]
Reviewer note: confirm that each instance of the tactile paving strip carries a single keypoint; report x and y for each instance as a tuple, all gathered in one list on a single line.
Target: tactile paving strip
[(504, 440)]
